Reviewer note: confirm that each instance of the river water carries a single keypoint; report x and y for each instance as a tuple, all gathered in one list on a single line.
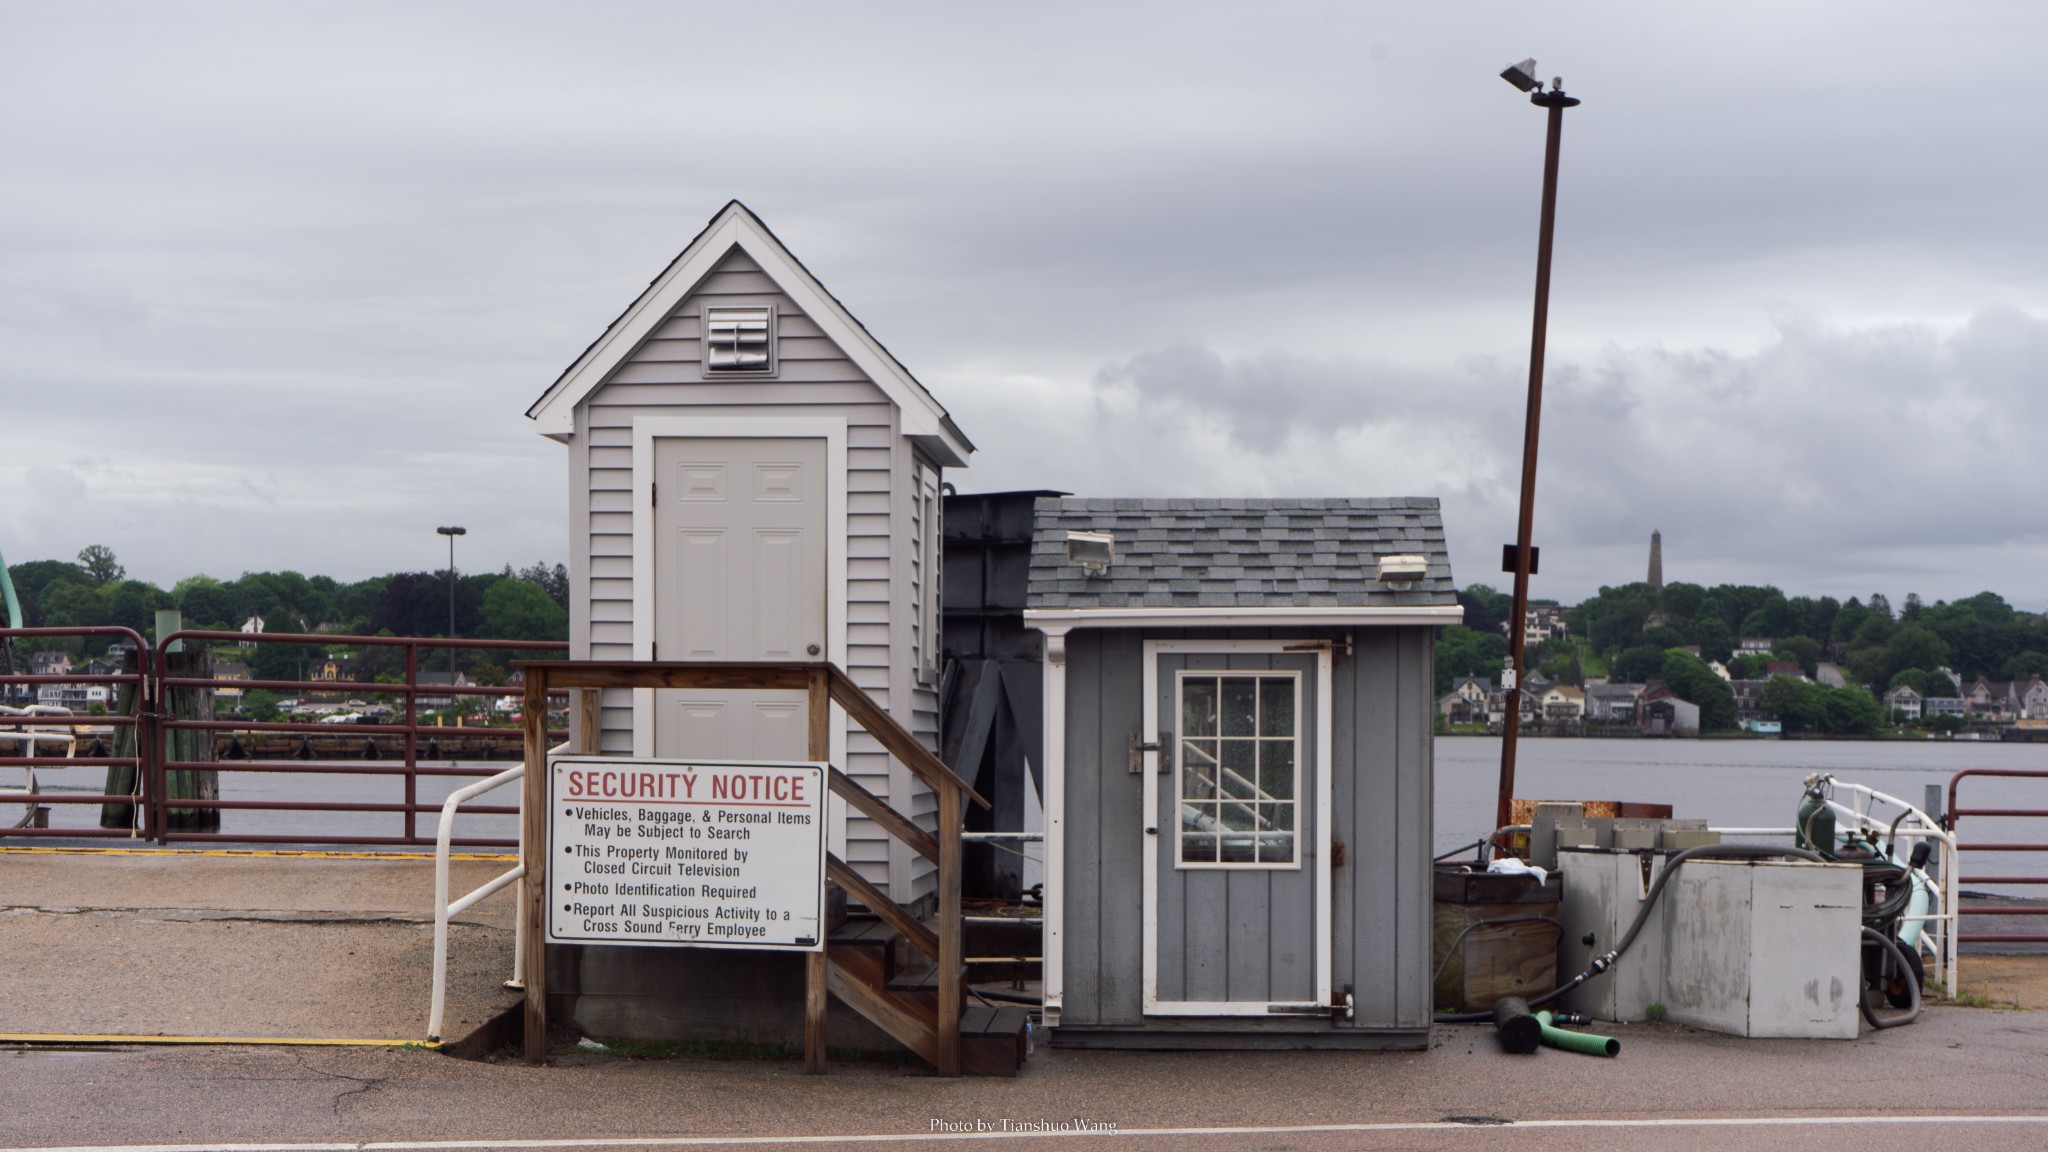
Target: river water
[(1728, 783), (1745, 783)]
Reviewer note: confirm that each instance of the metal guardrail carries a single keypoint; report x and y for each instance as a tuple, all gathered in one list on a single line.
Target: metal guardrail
[(1955, 815), (154, 692), (27, 732), (445, 908)]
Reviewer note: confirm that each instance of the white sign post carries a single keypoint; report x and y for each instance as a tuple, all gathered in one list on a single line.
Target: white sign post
[(720, 854)]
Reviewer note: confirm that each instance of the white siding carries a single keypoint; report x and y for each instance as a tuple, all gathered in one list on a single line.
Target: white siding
[(814, 378)]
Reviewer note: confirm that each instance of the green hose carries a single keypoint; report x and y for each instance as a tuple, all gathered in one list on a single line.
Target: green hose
[(1584, 1042)]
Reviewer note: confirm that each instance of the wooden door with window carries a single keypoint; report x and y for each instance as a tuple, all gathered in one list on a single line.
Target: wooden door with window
[(1236, 904)]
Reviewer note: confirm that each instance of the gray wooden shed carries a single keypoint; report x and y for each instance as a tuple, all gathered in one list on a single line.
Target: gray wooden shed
[(1238, 780)]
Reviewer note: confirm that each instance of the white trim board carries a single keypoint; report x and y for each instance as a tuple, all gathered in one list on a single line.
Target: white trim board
[(1149, 817), (736, 227), (1427, 615), (830, 429)]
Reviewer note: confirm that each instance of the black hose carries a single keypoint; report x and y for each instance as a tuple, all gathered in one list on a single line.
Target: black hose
[(1603, 963), (1458, 849), (1912, 985)]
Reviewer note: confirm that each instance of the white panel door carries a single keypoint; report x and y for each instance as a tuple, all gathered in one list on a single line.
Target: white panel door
[(739, 571)]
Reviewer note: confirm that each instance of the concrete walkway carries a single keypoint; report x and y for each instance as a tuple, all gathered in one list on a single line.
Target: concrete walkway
[(184, 943)]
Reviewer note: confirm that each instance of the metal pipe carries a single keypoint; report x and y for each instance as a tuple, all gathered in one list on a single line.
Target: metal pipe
[(1555, 102), (442, 909)]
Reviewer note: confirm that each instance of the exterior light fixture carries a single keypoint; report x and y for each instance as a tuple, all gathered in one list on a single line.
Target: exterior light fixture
[(1523, 75), (1403, 569), (1095, 551)]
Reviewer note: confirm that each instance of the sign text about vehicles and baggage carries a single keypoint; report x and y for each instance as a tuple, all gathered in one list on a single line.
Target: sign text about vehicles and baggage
[(686, 853)]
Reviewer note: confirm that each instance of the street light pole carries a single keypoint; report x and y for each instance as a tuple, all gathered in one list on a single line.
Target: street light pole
[(451, 533), (1555, 102)]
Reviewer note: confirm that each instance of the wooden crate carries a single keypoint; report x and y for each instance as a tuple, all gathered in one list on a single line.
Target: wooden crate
[(1504, 960)]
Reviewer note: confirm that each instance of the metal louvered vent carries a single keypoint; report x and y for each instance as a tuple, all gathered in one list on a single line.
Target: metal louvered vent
[(736, 339)]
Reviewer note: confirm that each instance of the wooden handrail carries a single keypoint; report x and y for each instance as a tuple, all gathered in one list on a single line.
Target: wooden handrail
[(857, 886), (897, 739), (878, 810)]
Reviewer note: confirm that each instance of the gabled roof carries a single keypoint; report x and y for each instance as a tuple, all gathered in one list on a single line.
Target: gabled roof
[(1242, 554), (735, 226)]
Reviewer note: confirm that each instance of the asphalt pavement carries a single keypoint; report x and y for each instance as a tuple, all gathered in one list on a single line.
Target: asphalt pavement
[(283, 946)]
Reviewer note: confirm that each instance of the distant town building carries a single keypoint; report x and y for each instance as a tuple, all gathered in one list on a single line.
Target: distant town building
[(1904, 701), (1542, 622)]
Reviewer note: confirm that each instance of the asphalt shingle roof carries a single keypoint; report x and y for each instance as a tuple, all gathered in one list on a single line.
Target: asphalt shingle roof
[(1185, 553)]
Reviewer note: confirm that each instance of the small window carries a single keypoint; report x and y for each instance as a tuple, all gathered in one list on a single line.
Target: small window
[(739, 340), (1239, 781)]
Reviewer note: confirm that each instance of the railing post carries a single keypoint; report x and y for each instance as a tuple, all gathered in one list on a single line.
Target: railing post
[(412, 735), (819, 720), (951, 956), (534, 849)]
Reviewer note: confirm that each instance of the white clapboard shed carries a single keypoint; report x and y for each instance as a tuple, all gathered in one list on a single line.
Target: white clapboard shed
[(752, 476), (1238, 710)]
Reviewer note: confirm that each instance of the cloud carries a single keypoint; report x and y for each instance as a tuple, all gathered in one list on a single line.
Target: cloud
[(1836, 459)]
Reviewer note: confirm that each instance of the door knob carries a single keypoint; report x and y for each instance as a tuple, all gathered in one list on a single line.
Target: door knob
[(811, 648)]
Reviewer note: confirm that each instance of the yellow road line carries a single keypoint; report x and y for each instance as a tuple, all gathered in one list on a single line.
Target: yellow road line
[(256, 852), (97, 1038)]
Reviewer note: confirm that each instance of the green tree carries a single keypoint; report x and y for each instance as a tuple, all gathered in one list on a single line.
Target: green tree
[(1914, 647), (1716, 640), (1460, 651), (523, 610), (1851, 711), (1796, 703), (1636, 665), (1749, 666), (1869, 666), (32, 577), (1696, 683), (100, 565), (2028, 663), (1664, 636), (1804, 650), (1681, 601)]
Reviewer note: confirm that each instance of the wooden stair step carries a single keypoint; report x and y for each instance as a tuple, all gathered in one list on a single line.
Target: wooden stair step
[(993, 1041)]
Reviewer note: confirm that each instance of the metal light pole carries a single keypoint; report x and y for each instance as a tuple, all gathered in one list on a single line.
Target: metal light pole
[(451, 533), (1523, 76)]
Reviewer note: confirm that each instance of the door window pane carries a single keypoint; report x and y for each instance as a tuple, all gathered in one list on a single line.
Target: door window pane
[(1239, 790)]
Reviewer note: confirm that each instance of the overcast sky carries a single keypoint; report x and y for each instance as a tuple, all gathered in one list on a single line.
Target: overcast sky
[(278, 281)]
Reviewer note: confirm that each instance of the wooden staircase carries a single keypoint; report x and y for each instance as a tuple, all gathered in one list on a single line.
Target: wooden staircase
[(906, 976), (867, 969)]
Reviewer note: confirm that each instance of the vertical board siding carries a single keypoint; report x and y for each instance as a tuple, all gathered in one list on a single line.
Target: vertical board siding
[(665, 377), (1381, 798)]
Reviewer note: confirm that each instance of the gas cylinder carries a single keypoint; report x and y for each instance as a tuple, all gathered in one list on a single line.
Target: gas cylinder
[(1815, 830)]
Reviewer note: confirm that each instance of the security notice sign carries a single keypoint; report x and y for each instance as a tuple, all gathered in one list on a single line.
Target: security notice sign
[(679, 853)]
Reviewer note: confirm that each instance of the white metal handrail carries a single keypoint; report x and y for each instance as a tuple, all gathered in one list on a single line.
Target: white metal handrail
[(29, 740), (1911, 824), (443, 908)]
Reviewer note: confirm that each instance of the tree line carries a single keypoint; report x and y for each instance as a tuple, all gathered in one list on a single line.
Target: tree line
[(1637, 632), (526, 604)]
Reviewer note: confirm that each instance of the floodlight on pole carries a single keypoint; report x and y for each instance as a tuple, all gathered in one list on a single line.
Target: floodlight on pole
[(451, 533), (1523, 76)]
